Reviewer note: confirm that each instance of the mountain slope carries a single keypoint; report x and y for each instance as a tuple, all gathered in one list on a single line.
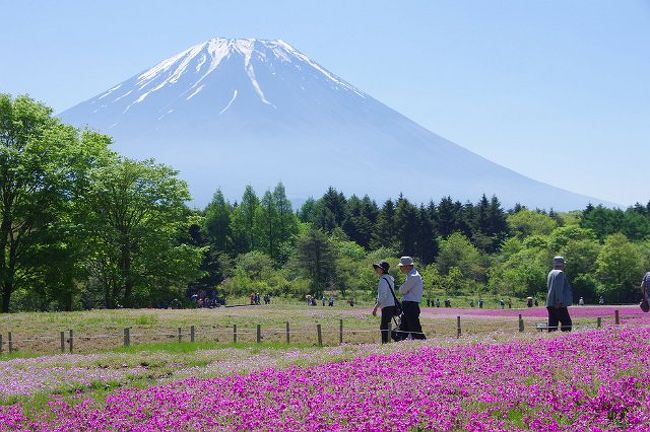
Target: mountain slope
[(231, 112)]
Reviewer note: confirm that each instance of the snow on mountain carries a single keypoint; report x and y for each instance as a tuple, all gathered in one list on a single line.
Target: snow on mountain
[(232, 112)]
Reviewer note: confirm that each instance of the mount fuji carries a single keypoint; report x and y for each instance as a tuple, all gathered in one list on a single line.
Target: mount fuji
[(231, 112)]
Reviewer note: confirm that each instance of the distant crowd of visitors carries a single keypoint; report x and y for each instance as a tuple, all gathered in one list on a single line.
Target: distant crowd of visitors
[(312, 301), (256, 299), (202, 300)]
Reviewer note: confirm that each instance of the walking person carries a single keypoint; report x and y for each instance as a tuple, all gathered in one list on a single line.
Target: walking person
[(385, 299), (559, 297), (645, 291), (411, 291)]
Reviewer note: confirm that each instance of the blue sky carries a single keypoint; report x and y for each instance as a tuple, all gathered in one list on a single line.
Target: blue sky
[(558, 90)]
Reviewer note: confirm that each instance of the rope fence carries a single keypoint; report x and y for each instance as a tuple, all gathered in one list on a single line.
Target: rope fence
[(68, 340)]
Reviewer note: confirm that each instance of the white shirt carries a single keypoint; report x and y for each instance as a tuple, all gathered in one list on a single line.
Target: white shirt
[(413, 287), (384, 296)]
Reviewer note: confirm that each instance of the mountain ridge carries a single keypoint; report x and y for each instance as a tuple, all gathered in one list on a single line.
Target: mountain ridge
[(232, 112)]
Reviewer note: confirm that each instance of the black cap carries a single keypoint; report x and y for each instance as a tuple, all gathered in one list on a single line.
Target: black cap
[(382, 265)]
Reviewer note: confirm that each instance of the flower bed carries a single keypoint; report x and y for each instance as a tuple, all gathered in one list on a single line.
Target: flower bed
[(595, 380), (605, 312)]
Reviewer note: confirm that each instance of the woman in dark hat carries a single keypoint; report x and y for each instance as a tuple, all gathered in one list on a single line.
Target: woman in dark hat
[(385, 298)]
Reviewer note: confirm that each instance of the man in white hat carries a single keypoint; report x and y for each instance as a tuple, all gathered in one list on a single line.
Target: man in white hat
[(559, 297), (411, 291)]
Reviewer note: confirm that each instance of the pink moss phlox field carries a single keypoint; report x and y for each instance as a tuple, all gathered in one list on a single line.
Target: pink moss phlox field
[(627, 312), (595, 380)]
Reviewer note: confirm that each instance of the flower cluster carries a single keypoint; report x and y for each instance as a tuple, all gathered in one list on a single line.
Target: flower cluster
[(592, 380), (593, 312)]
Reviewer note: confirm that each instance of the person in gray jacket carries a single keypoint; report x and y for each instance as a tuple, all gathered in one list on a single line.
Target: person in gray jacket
[(559, 297), (411, 291), (645, 286)]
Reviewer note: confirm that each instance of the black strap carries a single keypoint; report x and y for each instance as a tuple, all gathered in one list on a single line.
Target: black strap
[(391, 291), (397, 324)]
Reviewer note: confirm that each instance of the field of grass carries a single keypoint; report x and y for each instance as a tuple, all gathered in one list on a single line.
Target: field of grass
[(103, 330)]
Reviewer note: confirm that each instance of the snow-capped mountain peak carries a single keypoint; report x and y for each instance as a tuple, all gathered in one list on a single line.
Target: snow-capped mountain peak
[(232, 112), (190, 70)]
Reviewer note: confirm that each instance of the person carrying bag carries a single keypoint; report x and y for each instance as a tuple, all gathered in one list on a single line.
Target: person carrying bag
[(386, 299)]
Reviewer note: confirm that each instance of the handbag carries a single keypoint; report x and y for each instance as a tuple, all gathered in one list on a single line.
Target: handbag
[(398, 305), (645, 306)]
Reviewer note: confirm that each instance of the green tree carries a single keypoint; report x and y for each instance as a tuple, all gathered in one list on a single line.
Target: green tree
[(242, 223), (216, 224), (619, 268), (636, 225), (255, 273), (526, 223), (603, 221), (426, 244), (307, 212), (275, 224), (43, 167), (581, 258), (331, 210), (315, 259), (407, 225), (446, 214), (455, 282), (266, 226), (353, 272), (287, 218), (137, 215), (522, 274), (492, 225), (457, 251), (564, 235), (385, 231), (360, 219)]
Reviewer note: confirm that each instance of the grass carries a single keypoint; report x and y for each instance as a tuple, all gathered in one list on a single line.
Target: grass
[(103, 330), (38, 333), (157, 329)]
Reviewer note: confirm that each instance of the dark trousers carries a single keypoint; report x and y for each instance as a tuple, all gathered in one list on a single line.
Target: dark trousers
[(386, 315), (410, 323), (559, 315)]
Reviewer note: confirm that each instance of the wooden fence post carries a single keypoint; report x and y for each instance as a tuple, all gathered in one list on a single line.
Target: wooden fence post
[(458, 330), (10, 343), (234, 333), (127, 337), (319, 334), (71, 341), (617, 318), (599, 322), (180, 335), (0, 344), (62, 342), (340, 331), (259, 333), (288, 332), (192, 334), (521, 324)]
